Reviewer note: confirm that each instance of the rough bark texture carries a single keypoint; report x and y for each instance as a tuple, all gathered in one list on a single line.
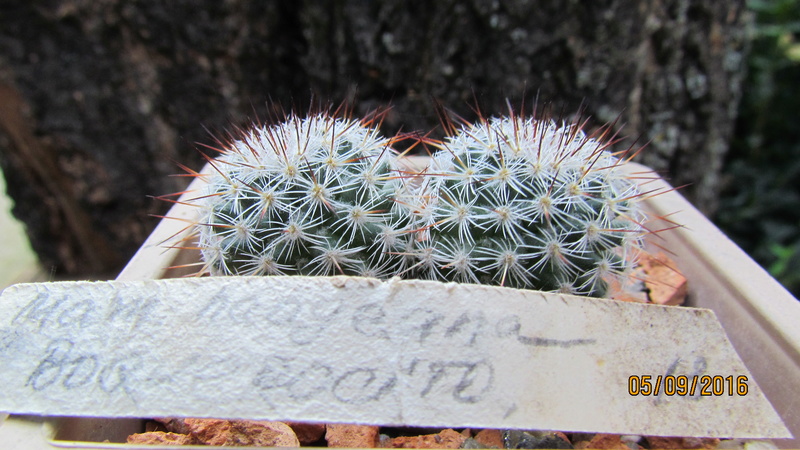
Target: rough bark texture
[(99, 99)]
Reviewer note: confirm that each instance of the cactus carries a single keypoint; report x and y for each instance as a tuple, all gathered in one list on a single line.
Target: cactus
[(308, 196), (513, 201), (528, 203)]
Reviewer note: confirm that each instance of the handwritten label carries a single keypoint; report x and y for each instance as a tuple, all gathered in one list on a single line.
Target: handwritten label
[(344, 349)]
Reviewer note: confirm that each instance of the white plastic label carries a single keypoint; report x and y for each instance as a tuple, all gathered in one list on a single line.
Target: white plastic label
[(357, 350)]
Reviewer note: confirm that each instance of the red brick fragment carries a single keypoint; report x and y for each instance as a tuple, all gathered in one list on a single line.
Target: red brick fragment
[(668, 443), (308, 433), (242, 432), (160, 438), (445, 439), (490, 438), (604, 441), (350, 436)]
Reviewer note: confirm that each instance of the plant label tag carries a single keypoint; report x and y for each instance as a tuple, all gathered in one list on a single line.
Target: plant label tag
[(359, 350)]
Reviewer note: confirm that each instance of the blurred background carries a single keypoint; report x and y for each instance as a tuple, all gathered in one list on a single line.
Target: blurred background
[(101, 100), (760, 196)]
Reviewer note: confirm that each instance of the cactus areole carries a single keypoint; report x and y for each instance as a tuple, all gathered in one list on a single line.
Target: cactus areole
[(512, 201)]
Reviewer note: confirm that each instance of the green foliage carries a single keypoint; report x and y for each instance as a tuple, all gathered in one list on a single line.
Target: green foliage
[(760, 206)]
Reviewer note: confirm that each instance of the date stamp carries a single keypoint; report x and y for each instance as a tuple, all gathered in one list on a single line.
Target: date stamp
[(688, 385)]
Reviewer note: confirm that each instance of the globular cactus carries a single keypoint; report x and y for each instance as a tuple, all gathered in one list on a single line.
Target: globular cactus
[(528, 203), (307, 196), (513, 201)]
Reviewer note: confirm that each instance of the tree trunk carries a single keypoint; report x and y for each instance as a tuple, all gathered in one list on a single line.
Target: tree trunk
[(100, 99)]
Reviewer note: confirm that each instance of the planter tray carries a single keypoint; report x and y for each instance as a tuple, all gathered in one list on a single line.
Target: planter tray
[(755, 312)]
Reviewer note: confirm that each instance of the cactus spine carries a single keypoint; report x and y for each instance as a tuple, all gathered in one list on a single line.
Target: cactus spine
[(530, 203), (512, 201), (308, 196)]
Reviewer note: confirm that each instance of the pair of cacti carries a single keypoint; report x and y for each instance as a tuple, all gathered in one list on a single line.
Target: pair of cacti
[(512, 201)]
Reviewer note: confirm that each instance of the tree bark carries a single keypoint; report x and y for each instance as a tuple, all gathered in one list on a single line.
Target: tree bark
[(100, 99)]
